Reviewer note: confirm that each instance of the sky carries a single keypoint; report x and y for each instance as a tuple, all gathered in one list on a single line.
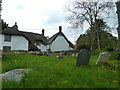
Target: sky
[(34, 15)]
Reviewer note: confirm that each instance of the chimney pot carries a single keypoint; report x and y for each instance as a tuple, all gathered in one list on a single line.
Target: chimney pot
[(43, 32), (60, 28), (16, 25)]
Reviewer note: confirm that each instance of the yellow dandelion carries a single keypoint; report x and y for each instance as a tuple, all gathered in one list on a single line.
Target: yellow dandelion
[(114, 81)]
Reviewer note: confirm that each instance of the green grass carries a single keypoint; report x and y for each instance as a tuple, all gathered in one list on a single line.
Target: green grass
[(50, 72)]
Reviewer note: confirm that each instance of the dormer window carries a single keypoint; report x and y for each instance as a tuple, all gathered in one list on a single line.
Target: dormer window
[(7, 38), (38, 43)]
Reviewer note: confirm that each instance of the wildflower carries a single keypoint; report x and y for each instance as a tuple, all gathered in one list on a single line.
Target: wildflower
[(26, 79), (64, 81), (53, 85), (114, 81), (49, 85)]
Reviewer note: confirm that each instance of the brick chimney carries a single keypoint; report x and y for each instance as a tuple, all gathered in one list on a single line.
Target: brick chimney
[(60, 28), (43, 32)]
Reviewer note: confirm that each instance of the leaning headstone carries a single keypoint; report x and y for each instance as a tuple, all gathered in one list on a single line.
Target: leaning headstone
[(83, 57), (103, 58), (0, 55)]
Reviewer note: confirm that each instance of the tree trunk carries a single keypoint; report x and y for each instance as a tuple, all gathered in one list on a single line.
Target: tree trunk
[(118, 42), (92, 38), (92, 42), (118, 29), (98, 39)]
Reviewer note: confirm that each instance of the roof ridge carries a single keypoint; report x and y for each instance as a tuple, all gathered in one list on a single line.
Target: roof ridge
[(30, 32)]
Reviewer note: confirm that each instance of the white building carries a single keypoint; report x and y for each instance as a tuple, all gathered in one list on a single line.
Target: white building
[(12, 39), (59, 42)]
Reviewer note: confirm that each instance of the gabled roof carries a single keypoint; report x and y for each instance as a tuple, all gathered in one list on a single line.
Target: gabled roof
[(59, 34)]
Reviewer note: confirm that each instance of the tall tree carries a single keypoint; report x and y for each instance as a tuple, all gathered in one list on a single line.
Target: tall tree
[(118, 29), (101, 26), (82, 11), (106, 40), (0, 16)]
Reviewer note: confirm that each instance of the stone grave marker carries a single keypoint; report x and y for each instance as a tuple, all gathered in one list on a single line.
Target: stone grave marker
[(83, 57), (1, 55), (103, 58), (14, 75)]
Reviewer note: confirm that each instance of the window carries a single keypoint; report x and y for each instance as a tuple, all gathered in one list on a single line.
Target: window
[(7, 38), (6, 47)]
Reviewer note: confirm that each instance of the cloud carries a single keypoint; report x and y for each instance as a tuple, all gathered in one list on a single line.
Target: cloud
[(54, 17), (19, 7)]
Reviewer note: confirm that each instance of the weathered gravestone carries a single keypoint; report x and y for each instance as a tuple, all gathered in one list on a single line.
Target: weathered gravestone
[(15, 74), (103, 58), (0, 55), (83, 57)]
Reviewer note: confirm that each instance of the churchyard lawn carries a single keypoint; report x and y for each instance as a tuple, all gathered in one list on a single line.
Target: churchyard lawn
[(51, 72)]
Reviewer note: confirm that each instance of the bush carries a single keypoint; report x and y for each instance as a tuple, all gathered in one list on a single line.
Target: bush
[(80, 47), (110, 49)]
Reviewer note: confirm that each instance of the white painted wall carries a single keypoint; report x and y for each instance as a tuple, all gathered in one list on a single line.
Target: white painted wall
[(1, 43), (60, 44), (43, 47), (17, 43)]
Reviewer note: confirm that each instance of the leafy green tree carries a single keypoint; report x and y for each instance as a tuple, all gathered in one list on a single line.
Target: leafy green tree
[(106, 40)]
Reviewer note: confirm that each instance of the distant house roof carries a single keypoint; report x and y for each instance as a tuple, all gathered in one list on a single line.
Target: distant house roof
[(33, 38), (59, 34), (12, 31)]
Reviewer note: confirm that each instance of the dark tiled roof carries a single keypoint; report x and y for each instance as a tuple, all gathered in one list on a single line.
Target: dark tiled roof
[(59, 34)]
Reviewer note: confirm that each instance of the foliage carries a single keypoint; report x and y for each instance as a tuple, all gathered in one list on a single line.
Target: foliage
[(4, 25), (106, 40), (50, 72)]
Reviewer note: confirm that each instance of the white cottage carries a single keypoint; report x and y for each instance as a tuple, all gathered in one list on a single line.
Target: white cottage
[(12, 39), (59, 42)]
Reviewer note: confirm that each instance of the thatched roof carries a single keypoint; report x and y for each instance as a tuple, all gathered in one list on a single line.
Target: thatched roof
[(11, 31), (31, 37)]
